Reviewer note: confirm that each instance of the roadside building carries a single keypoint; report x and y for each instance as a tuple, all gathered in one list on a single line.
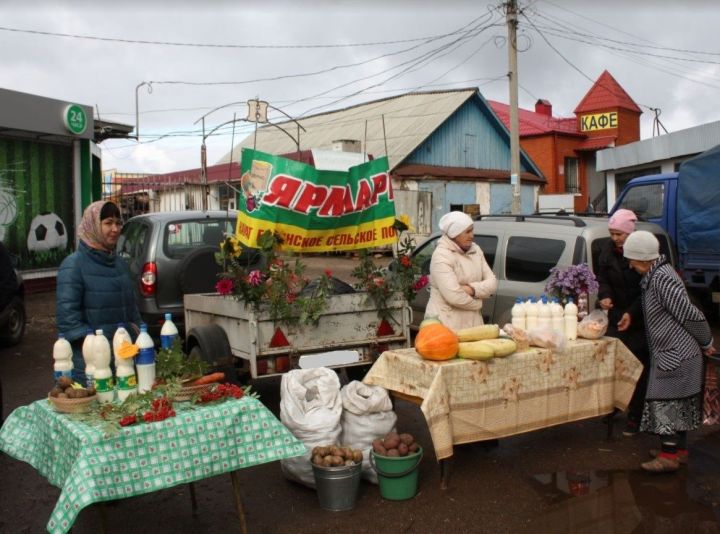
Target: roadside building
[(564, 148), (49, 171), (660, 154), (446, 150)]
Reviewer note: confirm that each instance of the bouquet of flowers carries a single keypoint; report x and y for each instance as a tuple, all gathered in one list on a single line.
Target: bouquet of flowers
[(571, 281), (405, 277), (278, 283)]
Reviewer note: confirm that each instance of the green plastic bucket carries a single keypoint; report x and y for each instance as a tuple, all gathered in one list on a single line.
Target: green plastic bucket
[(397, 476)]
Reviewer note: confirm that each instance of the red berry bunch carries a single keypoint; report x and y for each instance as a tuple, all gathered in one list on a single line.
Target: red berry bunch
[(128, 420), (221, 391), (160, 409)]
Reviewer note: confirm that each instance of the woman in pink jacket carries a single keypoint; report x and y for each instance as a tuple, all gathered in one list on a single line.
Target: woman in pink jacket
[(459, 275)]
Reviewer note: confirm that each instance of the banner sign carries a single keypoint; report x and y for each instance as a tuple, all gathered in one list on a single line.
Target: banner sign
[(598, 121), (315, 210)]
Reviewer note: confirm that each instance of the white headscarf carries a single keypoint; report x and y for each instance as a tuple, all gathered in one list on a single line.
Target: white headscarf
[(454, 223)]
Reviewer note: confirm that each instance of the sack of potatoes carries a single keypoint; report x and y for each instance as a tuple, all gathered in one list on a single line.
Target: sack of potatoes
[(336, 456), (395, 445)]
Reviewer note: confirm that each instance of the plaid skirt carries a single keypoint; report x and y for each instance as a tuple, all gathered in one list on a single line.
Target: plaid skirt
[(666, 417)]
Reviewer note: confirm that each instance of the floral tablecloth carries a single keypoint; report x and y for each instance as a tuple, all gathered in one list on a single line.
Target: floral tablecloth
[(91, 465), (465, 400)]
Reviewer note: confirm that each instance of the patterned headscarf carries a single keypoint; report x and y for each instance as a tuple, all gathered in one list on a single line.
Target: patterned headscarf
[(90, 230)]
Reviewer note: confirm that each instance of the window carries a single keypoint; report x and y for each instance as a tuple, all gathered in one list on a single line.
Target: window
[(646, 201), (183, 237), (529, 259), (572, 184), (622, 178), (487, 243), (132, 241)]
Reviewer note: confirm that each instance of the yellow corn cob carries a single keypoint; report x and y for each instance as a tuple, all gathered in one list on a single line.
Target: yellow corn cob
[(502, 346), (476, 350), (477, 333)]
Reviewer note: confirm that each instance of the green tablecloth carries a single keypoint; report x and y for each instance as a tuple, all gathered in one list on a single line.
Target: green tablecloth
[(90, 465)]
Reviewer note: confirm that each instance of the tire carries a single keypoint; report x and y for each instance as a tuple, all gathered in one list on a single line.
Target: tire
[(198, 271), (210, 344), (14, 322)]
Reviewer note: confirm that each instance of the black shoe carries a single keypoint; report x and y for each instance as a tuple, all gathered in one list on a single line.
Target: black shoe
[(631, 429)]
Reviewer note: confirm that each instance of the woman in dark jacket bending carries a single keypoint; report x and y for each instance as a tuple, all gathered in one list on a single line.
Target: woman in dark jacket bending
[(94, 287), (619, 295)]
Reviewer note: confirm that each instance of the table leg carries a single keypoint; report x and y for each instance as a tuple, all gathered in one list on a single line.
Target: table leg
[(235, 476), (192, 497), (445, 473)]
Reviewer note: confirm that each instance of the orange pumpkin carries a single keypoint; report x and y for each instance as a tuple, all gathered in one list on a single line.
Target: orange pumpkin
[(436, 342)]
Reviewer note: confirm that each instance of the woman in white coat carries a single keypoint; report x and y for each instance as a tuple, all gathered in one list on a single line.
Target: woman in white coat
[(459, 275)]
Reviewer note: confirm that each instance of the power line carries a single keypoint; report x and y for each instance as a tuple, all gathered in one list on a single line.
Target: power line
[(214, 45)]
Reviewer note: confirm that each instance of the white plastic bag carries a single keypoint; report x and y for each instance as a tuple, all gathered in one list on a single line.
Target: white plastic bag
[(310, 407), (593, 326), (547, 338), (367, 415), (518, 335)]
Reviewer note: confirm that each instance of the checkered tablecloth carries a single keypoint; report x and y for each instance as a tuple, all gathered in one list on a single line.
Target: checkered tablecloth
[(465, 400), (90, 464)]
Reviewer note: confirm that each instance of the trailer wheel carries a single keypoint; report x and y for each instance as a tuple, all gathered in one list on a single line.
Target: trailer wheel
[(210, 344)]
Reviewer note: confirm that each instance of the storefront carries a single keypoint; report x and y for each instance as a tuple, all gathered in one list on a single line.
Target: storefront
[(49, 170)]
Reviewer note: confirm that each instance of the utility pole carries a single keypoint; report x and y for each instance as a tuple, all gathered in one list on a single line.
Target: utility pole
[(512, 21)]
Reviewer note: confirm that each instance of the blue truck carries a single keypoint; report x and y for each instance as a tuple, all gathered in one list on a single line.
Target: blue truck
[(687, 204)]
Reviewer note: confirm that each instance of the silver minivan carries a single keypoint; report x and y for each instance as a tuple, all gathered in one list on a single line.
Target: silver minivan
[(521, 249), (171, 254)]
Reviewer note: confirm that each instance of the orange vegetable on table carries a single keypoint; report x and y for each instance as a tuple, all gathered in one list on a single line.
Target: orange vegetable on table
[(209, 379)]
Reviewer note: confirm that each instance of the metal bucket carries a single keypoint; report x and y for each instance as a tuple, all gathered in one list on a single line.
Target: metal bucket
[(337, 487)]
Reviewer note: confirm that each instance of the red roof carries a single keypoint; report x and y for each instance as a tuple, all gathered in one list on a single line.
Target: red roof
[(224, 172), (596, 143), (606, 93), (532, 123)]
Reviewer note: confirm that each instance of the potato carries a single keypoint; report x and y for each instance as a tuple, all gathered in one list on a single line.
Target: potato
[(357, 456), (317, 459), (315, 450), (91, 391), (54, 392), (394, 453), (81, 393), (391, 441), (402, 449), (64, 382), (335, 450), (337, 460), (62, 395), (414, 447), (407, 439), (327, 461), (72, 393), (380, 449)]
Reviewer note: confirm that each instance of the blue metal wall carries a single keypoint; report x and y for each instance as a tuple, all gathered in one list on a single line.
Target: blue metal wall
[(470, 138), (501, 198)]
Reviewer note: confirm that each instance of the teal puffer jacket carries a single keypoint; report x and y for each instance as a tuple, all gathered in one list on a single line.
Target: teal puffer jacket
[(94, 290)]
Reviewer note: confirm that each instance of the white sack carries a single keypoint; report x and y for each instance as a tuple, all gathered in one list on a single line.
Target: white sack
[(310, 407), (367, 415)]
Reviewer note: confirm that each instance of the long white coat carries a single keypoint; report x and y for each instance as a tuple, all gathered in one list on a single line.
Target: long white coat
[(450, 268)]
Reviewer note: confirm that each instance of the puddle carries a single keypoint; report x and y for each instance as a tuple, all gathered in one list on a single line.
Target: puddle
[(633, 501)]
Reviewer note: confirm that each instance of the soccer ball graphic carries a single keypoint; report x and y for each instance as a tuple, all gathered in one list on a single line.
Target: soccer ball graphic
[(47, 232)]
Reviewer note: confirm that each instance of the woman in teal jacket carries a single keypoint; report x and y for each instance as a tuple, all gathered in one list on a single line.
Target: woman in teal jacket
[(94, 287)]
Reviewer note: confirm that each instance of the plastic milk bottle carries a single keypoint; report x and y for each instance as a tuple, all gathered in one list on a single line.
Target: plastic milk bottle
[(145, 360), (518, 314), (571, 320), (168, 332), (88, 356), (544, 315), (531, 314), (124, 367), (103, 377), (556, 312), (62, 356)]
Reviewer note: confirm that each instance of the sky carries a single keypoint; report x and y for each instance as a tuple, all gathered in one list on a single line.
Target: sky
[(182, 61)]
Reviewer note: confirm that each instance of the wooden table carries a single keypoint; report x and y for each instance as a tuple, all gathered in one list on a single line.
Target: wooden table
[(464, 401), (92, 464)]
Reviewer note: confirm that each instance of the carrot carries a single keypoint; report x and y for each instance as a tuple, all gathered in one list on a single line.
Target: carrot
[(209, 379)]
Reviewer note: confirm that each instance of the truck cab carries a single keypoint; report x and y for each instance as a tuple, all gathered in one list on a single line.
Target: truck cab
[(652, 198)]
